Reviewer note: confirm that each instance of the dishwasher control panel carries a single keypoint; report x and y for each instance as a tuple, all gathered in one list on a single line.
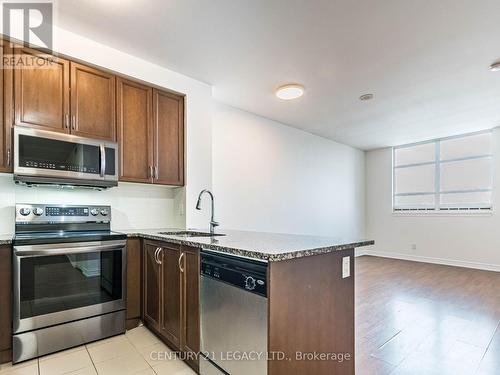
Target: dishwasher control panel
[(238, 272)]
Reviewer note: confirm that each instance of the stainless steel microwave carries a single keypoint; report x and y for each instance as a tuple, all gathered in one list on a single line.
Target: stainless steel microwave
[(44, 157)]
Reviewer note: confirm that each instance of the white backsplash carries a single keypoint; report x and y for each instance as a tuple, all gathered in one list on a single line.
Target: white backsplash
[(134, 206)]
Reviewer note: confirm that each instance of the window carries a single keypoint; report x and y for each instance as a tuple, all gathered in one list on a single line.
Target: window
[(450, 174)]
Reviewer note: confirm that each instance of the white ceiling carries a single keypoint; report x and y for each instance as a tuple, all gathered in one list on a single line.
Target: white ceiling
[(424, 60)]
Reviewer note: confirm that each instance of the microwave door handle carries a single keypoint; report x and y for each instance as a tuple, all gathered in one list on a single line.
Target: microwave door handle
[(103, 160), (23, 251)]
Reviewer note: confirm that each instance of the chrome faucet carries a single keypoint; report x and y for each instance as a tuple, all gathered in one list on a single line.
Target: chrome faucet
[(213, 223)]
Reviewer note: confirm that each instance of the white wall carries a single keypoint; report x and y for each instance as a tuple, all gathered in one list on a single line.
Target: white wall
[(134, 206), (466, 240), (274, 178), (171, 205)]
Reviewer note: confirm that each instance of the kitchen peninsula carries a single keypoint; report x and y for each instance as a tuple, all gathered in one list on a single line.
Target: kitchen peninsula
[(310, 293)]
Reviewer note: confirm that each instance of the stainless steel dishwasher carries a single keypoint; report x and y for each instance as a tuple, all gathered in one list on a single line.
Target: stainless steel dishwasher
[(233, 315)]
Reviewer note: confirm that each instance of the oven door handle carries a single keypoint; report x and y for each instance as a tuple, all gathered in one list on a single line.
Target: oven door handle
[(47, 250)]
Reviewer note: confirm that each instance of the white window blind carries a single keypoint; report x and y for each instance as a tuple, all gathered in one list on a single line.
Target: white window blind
[(450, 174)]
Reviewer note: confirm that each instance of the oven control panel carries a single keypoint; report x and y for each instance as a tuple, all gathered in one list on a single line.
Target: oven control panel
[(61, 213)]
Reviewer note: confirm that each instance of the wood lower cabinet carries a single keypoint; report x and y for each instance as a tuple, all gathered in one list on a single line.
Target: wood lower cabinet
[(41, 94), (92, 103), (135, 131), (5, 304), (170, 325), (134, 277), (171, 295), (151, 286), (190, 333)]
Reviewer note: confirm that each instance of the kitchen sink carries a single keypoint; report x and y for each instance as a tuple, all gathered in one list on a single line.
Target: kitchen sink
[(191, 233)]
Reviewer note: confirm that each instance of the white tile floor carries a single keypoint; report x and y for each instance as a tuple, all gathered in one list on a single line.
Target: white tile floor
[(136, 352)]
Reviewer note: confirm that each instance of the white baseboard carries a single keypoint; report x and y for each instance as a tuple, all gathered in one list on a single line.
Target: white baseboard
[(359, 252), (424, 259)]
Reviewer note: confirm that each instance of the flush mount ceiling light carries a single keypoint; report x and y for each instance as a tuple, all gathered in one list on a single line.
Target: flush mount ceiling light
[(495, 67), (289, 92), (366, 97)]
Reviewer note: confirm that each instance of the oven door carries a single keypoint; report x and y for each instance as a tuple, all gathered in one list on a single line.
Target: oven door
[(42, 154), (57, 283)]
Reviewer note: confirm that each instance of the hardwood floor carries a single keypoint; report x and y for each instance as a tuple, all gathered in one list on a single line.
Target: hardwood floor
[(425, 319)]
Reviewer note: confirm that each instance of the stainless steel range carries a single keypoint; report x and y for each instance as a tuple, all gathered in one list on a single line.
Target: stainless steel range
[(69, 278)]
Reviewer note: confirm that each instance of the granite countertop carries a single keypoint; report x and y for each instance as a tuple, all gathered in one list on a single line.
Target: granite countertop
[(270, 247), (6, 239)]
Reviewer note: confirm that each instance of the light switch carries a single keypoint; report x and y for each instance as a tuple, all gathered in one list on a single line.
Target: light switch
[(346, 267)]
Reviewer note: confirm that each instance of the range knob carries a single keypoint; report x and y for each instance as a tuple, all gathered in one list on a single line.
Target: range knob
[(250, 283), (94, 212), (25, 211), (104, 212), (38, 211)]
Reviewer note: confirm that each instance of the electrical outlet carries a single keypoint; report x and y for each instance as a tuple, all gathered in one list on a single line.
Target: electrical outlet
[(414, 247), (346, 267)]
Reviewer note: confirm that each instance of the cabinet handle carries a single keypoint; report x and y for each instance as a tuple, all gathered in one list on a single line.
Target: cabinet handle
[(73, 122), (157, 255), (156, 172), (180, 263), (8, 157), (66, 121), (151, 172)]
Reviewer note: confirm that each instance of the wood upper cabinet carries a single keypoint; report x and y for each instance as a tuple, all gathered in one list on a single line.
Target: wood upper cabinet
[(69, 97), (168, 129), (92, 103), (150, 126), (6, 120), (134, 127), (151, 286), (64, 96), (170, 326), (41, 95)]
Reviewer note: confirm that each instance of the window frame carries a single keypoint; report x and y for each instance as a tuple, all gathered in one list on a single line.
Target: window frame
[(439, 208)]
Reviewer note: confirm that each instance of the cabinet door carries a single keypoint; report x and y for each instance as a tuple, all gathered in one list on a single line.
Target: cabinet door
[(171, 295), (5, 303), (92, 103), (6, 120), (190, 276), (168, 123), (133, 282), (134, 102), (151, 291), (41, 94)]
